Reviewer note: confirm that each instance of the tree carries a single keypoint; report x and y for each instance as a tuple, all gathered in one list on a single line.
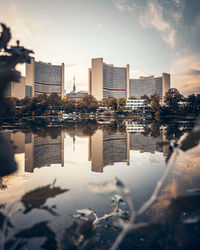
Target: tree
[(8, 108), (88, 104), (146, 98), (132, 98), (155, 105), (54, 100), (121, 102), (172, 98), (112, 102), (69, 105)]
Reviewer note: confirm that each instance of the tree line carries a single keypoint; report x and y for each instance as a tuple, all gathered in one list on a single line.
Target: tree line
[(173, 104)]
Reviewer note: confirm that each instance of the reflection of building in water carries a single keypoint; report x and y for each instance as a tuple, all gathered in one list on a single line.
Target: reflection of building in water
[(147, 143), (144, 143), (105, 149), (39, 151), (132, 126)]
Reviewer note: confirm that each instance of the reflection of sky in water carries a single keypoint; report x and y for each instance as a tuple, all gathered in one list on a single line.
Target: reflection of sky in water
[(141, 175)]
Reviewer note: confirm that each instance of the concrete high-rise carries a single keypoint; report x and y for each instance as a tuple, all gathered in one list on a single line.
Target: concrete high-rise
[(106, 80), (44, 78), (150, 85), (40, 78)]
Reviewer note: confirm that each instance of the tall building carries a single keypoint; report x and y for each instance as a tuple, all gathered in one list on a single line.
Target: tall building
[(16, 89), (150, 85), (41, 78), (44, 78), (106, 80)]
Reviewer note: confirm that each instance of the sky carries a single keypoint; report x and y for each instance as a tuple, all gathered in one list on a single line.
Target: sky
[(152, 36)]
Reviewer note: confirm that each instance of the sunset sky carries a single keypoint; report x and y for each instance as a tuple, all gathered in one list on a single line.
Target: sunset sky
[(153, 36)]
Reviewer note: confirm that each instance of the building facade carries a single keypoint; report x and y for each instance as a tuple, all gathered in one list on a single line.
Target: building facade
[(40, 78), (16, 89), (44, 78), (106, 80), (150, 85)]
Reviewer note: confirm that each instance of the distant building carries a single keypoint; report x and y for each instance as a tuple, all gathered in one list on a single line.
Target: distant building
[(73, 95), (76, 95), (150, 85), (134, 104), (106, 80), (44, 78)]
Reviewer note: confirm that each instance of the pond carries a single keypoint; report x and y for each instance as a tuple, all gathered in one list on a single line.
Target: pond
[(84, 159)]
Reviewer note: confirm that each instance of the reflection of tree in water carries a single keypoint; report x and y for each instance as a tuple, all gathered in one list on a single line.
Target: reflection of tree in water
[(87, 128), (155, 129), (114, 127), (173, 131), (51, 131)]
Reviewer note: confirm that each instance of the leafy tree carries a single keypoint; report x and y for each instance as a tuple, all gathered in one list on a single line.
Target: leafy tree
[(69, 105), (54, 100), (8, 108), (155, 105), (172, 98), (146, 98), (88, 104), (121, 102), (112, 102), (132, 98)]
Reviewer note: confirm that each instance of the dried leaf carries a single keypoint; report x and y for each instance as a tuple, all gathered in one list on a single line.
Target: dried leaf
[(37, 198), (119, 183), (86, 228), (40, 230), (85, 211)]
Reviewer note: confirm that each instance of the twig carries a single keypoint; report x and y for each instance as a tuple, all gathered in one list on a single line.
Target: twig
[(130, 226)]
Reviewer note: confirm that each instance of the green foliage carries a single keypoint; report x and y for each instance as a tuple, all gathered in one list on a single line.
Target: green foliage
[(121, 102), (8, 108), (87, 104), (155, 105), (69, 105), (172, 98)]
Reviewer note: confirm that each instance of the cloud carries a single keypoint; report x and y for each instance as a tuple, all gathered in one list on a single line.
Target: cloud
[(21, 26), (153, 18), (186, 73), (194, 72), (124, 5)]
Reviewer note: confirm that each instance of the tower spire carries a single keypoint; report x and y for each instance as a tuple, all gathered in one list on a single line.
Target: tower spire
[(74, 85)]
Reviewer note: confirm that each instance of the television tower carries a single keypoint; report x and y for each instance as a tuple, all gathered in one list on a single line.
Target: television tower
[(74, 85)]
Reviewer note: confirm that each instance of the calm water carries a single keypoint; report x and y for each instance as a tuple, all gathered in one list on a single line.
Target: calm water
[(86, 159)]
